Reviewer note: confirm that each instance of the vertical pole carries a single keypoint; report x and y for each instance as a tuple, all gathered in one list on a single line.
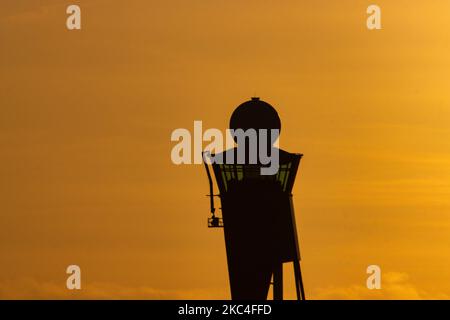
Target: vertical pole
[(278, 282), (299, 281)]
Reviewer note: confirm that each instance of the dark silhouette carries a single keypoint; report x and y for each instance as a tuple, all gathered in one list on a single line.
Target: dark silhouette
[(257, 211)]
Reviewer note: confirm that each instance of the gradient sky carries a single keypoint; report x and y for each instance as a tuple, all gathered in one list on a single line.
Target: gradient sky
[(86, 118)]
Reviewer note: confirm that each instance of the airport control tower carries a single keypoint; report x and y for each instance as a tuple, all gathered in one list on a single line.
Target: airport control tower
[(257, 211)]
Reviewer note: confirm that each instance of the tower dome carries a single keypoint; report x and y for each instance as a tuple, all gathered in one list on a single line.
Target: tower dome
[(255, 114)]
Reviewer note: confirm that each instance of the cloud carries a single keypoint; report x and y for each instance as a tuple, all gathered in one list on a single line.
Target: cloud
[(395, 286), (33, 289)]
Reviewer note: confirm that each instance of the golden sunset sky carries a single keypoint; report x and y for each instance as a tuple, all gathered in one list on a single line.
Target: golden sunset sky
[(86, 118)]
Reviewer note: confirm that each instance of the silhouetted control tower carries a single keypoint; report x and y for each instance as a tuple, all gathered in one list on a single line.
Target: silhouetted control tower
[(257, 213)]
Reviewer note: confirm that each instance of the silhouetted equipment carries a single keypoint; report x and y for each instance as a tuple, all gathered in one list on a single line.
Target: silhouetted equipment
[(213, 222), (258, 214)]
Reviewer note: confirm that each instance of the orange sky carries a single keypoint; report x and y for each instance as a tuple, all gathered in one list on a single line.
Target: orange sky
[(86, 118)]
